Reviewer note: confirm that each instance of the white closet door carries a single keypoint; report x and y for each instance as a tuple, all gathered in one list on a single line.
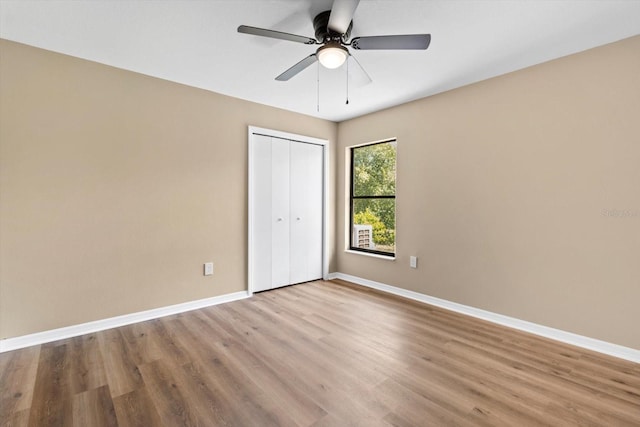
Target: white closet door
[(286, 212), (262, 223), (280, 218), (306, 185)]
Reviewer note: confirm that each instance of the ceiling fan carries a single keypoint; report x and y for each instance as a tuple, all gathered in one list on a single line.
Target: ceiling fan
[(332, 31)]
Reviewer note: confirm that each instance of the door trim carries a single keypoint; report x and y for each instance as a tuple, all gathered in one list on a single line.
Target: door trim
[(254, 130)]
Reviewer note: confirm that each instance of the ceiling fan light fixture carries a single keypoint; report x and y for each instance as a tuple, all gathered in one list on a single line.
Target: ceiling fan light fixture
[(332, 55)]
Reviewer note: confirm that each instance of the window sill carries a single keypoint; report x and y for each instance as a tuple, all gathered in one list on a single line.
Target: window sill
[(386, 257)]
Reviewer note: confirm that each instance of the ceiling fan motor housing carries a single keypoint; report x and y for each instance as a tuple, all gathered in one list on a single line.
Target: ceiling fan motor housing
[(323, 33)]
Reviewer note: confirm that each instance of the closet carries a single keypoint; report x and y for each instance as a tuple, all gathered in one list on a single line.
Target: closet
[(285, 211)]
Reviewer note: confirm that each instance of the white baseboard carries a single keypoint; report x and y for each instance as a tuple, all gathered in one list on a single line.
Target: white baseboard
[(114, 322), (604, 347)]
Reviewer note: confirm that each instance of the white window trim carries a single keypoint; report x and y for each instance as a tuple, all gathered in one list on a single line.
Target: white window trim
[(372, 255)]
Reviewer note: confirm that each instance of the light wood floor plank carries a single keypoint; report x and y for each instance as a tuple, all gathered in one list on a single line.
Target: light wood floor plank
[(136, 409), (122, 373), (85, 366), (17, 377), (169, 395), (94, 408), (16, 419), (51, 404)]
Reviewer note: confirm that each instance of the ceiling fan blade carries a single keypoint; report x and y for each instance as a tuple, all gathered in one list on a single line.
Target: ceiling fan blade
[(275, 34), (291, 72), (357, 72), (407, 41), (341, 15)]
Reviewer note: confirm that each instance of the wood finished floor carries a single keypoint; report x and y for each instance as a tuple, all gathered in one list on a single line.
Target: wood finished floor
[(316, 354)]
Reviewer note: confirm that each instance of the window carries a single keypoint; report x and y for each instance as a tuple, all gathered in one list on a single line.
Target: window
[(373, 198)]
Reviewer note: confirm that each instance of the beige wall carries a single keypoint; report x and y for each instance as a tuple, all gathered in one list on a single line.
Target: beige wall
[(502, 188), (116, 187)]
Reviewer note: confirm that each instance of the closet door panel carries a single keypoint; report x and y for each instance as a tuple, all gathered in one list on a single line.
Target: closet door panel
[(306, 212), (315, 210), (280, 220), (299, 178), (262, 224)]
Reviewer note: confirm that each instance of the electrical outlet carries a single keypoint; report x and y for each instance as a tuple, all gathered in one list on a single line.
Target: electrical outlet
[(208, 269), (413, 261)]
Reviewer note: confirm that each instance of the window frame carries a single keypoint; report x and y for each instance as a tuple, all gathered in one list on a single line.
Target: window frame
[(352, 196)]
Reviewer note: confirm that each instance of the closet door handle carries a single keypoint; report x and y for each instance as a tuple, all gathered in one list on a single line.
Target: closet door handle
[(279, 219), (298, 218)]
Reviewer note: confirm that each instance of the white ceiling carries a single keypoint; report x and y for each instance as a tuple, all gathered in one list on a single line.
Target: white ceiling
[(196, 43)]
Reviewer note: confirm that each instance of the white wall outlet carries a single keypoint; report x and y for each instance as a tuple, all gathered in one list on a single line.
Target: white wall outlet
[(208, 269), (413, 261)]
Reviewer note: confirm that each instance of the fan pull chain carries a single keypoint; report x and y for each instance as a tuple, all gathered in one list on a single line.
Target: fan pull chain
[(318, 87), (347, 103)]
